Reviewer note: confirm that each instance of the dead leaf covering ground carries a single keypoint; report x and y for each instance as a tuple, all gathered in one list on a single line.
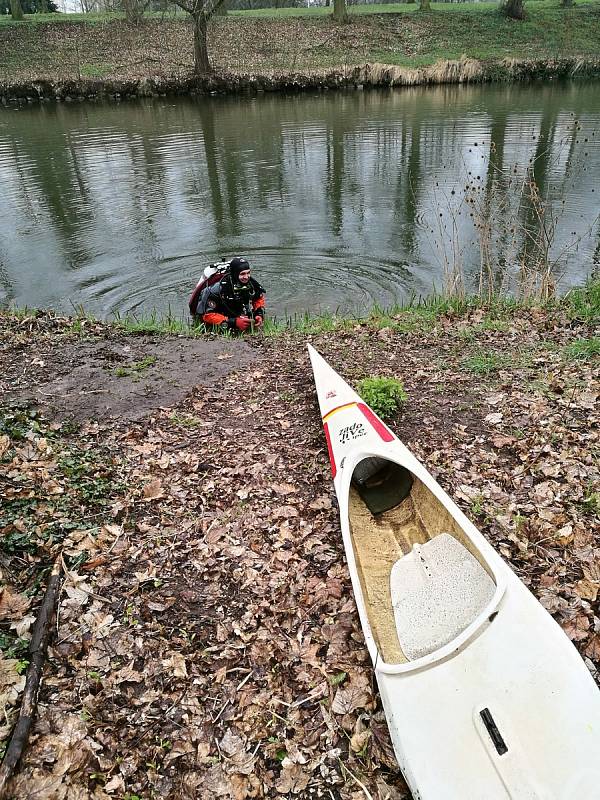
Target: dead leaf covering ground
[(208, 644), (116, 50)]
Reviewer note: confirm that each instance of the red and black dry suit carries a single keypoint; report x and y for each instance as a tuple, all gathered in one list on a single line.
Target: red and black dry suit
[(223, 302)]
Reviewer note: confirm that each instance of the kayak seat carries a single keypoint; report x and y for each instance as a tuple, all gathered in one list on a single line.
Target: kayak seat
[(381, 484), (437, 590)]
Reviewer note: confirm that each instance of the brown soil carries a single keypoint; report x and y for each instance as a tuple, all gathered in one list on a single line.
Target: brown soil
[(122, 377)]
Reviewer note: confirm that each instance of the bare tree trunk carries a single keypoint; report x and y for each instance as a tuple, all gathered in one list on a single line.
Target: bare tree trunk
[(200, 11), (134, 10), (340, 13), (201, 62), (425, 5), (16, 11), (515, 9)]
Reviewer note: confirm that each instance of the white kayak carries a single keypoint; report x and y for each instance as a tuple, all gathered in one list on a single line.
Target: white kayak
[(485, 696)]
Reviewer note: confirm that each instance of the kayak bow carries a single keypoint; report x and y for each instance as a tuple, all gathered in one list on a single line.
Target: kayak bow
[(485, 696)]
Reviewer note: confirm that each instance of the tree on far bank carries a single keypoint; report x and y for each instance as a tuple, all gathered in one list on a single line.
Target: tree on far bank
[(29, 7), (515, 9), (425, 5), (134, 10), (340, 12), (16, 11), (200, 11)]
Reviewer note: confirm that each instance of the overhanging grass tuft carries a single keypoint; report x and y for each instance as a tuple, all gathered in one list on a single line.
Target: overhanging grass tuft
[(584, 302), (156, 322)]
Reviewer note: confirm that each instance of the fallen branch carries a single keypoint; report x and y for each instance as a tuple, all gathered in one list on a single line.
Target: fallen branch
[(37, 653)]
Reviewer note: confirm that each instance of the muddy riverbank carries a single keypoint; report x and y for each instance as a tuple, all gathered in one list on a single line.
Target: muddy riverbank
[(359, 77)]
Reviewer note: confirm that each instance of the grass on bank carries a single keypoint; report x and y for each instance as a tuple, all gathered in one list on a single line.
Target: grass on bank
[(582, 349), (532, 7), (582, 304)]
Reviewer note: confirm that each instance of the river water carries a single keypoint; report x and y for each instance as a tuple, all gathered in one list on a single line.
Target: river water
[(339, 200)]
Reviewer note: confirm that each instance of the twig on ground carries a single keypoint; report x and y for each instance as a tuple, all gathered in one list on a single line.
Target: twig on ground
[(367, 793), (223, 707), (37, 651)]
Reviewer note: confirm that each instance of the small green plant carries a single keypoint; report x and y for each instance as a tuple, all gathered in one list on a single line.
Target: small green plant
[(338, 678), (164, 744), (477, 505), (130, 618), (287, 397), (466, 334), (137, 368), (13, 647), (591, 503), (486, 363), (185, 420), (384, 395)]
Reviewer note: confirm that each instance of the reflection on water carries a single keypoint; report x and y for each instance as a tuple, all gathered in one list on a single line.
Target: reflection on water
[(338, 200)]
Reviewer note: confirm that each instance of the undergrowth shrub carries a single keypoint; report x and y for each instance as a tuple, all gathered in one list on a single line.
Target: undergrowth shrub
[(384, 395)]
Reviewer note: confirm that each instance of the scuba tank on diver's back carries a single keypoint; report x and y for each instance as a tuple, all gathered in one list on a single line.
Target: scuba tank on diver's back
[(219, 267), (212, 274)]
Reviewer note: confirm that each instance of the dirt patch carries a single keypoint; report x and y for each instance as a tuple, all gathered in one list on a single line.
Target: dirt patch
[(123, 377)]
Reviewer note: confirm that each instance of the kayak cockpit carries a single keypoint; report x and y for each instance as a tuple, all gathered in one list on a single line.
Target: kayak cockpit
[(423, 579)]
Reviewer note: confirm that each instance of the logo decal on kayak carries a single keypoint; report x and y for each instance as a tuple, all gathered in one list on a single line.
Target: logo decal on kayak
[(330, 394), (354, 431)]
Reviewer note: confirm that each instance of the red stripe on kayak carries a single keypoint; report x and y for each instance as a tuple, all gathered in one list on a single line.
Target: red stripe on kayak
[(330, 450), (385, 434)]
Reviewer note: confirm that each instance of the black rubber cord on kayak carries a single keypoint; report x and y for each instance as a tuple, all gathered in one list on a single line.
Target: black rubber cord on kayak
[(493, 731)]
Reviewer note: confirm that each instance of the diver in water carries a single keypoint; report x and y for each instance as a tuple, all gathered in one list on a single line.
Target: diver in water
[(236, 302)]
